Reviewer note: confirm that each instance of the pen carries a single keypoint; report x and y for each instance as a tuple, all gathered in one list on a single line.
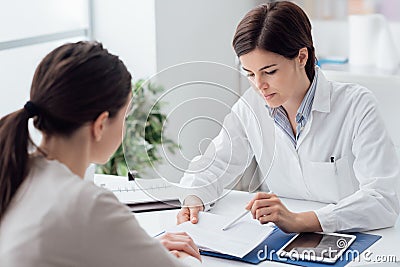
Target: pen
[(163, 232), (238, 218), (235, 220), (333, 161)]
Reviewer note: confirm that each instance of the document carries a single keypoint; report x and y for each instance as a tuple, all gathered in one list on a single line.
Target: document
[(236, 241), (138, 191)]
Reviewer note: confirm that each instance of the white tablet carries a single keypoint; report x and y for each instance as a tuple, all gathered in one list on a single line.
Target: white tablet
[(322, 247)]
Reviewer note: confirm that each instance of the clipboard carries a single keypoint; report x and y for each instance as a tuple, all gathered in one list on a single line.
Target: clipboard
[(267, 249)]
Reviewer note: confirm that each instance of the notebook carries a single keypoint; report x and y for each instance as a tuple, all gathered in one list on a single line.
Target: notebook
[(141, 194)]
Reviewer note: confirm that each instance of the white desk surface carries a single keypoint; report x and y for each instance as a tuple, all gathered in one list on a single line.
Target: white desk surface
[(233, 203)]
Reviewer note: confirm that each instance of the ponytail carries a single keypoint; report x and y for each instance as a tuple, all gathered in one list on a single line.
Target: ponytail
[(14, 140)]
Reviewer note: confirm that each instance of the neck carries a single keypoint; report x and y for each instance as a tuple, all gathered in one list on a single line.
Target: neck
[(292, 105), (72, 151)]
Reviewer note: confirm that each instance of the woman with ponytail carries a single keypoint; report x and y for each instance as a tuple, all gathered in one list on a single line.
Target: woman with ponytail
[(50, 216)]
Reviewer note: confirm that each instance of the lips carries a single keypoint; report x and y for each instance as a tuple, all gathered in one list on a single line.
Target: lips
[(269, 96)]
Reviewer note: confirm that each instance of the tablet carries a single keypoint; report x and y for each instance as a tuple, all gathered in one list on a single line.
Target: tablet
[(321, 247)]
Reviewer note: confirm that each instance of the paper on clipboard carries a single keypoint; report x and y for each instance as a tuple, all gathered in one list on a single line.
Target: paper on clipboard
[(237, 241)]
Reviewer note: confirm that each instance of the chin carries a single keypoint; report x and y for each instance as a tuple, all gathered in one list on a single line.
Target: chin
[(100, 161), (272, 104)]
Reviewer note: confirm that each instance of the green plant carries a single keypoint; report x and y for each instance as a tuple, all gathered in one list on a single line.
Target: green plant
[(143, 133)]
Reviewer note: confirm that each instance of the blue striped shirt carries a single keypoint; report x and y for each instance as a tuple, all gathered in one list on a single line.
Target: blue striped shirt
[(303, 114)]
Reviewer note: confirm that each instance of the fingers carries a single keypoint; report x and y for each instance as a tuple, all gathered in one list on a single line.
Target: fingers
[(270, 218), (193, 205), (180, 242), (259, 195), (175, 253), (270, 213), (194, 214), (183, 215), (263, 195), (260, 203), (250, 204), (171, 239), (186, 214)]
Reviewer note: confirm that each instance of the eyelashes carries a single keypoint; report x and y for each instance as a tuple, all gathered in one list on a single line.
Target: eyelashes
[(250, 75), (271, 72)]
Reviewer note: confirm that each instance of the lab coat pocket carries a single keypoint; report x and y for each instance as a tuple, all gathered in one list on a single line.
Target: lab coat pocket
[(328, 181)]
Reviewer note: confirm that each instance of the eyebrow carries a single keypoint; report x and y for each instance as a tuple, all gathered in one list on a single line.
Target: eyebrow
[(263, 68)]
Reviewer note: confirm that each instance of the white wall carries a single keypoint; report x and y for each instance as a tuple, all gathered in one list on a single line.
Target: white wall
[(331, 38), (17, 67), (190, 30), (127, 28), (21, 19)]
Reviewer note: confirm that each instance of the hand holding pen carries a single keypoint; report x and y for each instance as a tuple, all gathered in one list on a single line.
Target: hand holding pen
[(234, 221), (264, 207), (267, 207)]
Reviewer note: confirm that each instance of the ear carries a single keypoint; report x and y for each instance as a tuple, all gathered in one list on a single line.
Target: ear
[(302, 57), (98, 126)]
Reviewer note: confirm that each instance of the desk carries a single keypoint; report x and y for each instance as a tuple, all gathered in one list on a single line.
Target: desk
[(232, 204)]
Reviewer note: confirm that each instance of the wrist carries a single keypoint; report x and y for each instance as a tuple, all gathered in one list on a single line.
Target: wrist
[(193, 201), (307, 222)]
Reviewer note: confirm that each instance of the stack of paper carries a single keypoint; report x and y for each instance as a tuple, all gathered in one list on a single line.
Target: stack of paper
[(139, 190), (237, 240)]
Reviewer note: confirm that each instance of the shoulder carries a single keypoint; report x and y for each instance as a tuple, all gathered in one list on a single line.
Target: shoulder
[(249, 103), (89, 193), (96, 202), (72, 198), (251, 96), (351, 94)]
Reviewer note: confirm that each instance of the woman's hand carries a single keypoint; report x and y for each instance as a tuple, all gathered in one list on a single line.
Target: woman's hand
[(266, 207), (190, 211), (180, 244)]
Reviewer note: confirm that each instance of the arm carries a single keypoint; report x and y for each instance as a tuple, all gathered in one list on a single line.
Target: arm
[(376, 166), (225, 159), (111, 236)]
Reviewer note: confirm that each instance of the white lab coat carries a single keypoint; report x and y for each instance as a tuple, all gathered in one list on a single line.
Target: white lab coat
[(360, 185)]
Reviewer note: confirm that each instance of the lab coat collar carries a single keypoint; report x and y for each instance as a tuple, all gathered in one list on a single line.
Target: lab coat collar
[(322, 98)]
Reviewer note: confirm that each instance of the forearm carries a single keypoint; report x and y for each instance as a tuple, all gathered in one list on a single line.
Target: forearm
[(307, 222), (364, 210)]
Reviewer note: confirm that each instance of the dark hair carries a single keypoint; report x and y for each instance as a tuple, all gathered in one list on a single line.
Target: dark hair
[(72, 85), (279, 27)]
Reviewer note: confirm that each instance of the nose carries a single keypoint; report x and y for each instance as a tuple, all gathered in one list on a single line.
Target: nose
[(260, 82)]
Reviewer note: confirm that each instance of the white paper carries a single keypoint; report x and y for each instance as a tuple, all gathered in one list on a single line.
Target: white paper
[(238, 240), (138, 191)]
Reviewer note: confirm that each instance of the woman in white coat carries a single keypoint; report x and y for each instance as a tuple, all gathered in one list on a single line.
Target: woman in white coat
[(330, 141), (50, 216)]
